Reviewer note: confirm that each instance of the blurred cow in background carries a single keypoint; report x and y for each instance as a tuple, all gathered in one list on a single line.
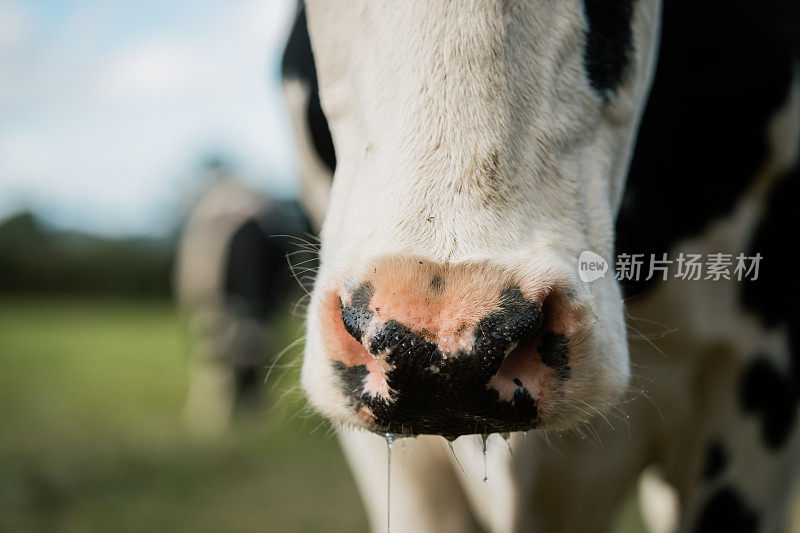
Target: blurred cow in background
[(231, 278), (230, 275)]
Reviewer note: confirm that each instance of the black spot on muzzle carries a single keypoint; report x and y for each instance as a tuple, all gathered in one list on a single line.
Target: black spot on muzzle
[(554, 350), (445, 394)]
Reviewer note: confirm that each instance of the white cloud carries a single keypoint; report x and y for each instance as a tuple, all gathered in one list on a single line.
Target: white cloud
[(15, 35), (224, 58), (15, 26), (150, 71)]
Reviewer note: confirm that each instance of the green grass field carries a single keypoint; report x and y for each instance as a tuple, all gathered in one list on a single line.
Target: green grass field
[(92, 436)]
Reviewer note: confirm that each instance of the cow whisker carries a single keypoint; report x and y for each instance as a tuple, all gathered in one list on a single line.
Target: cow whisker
[(600, 414), (280, 355)]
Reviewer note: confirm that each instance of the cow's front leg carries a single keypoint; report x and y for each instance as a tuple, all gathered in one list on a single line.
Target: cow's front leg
[(425, 493)]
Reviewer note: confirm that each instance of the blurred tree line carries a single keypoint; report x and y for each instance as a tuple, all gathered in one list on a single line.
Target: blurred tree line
[(37, 259)]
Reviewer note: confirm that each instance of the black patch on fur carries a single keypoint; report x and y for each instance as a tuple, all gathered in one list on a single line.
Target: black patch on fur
[(772, 397), (357, 314), (248, 384), (448, 396), (716, 461), (726, 511), (723, 70), (437, 284), (298, 63), (774, 295), (554, 349), (250, 265), (609, 42), (256, 276)]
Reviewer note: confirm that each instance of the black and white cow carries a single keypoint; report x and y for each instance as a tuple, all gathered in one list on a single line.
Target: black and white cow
[(480, 148), (231, 277)]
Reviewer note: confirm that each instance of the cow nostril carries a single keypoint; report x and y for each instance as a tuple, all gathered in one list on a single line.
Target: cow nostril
[(517, 320), (354, 321), (357, 314)]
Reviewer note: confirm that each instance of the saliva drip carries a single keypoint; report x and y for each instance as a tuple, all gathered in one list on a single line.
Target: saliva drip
[(453, 451), (484, 438), (389, 441)]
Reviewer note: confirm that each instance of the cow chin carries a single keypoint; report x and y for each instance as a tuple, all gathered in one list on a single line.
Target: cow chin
[(409, 346)]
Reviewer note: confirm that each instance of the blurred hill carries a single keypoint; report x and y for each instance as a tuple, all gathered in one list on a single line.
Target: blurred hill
[(38, 259)]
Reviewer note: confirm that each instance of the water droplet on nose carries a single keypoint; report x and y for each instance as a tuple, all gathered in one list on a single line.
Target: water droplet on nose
[(507, 438)]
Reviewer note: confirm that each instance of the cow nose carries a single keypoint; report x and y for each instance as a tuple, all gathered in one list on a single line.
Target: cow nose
[(473, 352), (424, 348)]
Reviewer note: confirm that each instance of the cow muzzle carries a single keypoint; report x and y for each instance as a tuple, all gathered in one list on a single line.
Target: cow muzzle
[(423, 348)]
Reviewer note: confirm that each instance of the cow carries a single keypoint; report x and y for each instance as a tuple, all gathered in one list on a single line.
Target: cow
[(463, 156), (231, 280)]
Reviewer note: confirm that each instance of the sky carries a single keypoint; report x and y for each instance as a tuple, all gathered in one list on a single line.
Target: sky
[(107, 107)]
